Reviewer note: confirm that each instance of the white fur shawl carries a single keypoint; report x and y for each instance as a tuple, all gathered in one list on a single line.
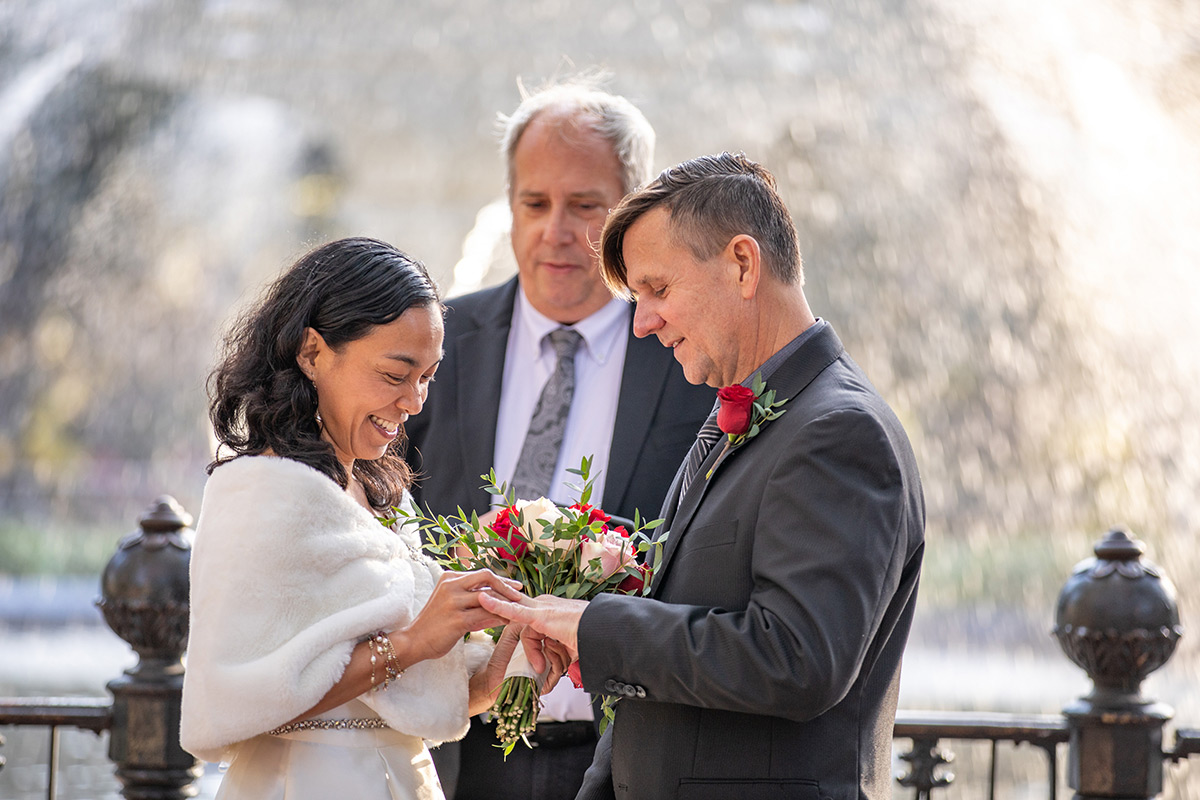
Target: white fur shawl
[(287, 574)]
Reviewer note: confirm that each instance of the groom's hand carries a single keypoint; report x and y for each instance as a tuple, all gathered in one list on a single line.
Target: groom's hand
[(553, 617), (547, 656)]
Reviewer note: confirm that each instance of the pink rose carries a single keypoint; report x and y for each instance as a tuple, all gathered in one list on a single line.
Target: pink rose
[(613, 551)]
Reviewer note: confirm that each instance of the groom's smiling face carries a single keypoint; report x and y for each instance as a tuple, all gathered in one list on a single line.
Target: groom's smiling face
[(692, 306)]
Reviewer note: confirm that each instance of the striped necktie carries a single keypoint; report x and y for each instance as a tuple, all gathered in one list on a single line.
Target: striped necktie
[(709, 434)]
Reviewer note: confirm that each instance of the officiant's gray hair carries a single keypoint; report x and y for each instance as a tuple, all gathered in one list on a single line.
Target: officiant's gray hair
[(711, 199), (580, 101)]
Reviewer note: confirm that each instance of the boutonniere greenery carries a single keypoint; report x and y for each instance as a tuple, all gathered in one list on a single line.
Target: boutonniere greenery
[(743, 412)]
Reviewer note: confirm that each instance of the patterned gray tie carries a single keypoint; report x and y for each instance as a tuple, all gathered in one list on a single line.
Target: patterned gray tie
[(709, 434), (539, 454)]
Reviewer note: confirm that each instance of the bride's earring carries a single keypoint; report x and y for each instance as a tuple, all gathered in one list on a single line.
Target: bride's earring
[(316, 399)]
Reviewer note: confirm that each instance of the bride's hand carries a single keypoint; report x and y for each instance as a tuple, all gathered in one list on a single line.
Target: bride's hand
[(452, 611), (485, 684), (545, 653)]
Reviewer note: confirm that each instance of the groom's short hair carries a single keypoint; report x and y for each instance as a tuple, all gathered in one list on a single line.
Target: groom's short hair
[(711, 199)]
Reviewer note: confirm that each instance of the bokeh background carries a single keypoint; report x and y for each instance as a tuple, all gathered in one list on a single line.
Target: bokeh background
[(996, 201)]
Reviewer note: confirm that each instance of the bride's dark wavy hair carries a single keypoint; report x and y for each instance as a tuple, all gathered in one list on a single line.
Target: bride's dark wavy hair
[(260, 401)]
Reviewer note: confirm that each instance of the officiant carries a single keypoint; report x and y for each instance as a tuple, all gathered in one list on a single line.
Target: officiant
[(541, 371)]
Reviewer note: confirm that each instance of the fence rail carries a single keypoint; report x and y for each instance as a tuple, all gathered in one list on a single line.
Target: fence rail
[(1116, 619), (927, 730), (90, 714)]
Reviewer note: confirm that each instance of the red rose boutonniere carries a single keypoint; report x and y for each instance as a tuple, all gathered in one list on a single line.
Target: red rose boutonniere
[(743, 412), (733, 417)]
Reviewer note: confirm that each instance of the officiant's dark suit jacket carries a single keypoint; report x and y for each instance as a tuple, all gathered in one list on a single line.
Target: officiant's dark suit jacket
[(452, 441), (766, 663)]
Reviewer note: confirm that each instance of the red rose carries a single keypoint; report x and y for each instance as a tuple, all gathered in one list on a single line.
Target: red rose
[(574, 674), (633, 583), (592, 512), (503, 528), (736, 405)]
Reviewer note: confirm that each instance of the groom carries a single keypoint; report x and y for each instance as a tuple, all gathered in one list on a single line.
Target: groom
[(766, 662)]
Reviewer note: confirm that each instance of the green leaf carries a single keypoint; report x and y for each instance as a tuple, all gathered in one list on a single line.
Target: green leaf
[(569, 590), (608, 705)]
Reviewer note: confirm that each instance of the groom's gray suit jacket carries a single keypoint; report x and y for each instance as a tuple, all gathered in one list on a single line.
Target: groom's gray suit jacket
[(767, 662)]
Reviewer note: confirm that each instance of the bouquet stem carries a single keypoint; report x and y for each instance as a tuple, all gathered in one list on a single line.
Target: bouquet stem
[(516, 710)]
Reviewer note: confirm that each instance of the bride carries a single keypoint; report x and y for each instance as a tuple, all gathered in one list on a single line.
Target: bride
[(325, 649)]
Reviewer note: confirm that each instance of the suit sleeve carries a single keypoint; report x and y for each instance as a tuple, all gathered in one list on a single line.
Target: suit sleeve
[(597, 781), (826, 560)]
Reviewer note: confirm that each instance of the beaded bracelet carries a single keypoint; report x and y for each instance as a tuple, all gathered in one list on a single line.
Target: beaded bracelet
[(379, 645)]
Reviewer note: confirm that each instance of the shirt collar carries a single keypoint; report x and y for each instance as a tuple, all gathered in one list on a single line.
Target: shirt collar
[(600, 331), (784, 353)]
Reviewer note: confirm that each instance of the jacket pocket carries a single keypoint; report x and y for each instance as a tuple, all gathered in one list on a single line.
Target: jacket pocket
[(714, 534), (693, 789)]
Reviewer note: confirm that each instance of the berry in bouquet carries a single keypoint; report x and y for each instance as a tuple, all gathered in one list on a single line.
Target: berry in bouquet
[(569, 551)]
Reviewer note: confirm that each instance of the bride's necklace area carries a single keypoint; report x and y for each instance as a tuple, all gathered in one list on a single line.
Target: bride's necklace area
[(358, 493)]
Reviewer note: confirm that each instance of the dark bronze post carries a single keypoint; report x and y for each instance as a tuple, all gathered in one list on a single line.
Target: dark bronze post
[(145, 601), (1117, 619)]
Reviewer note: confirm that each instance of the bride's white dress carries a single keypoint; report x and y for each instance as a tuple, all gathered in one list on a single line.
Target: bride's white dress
[(378, 764), (287, 574)]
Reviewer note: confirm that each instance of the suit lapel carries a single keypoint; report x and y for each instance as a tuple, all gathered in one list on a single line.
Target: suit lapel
[(678, 512), (644, 378), (792, 376), (479, 356), (667, 513)]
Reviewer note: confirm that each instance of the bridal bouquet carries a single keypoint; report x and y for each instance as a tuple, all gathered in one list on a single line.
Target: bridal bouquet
[(568, 551)]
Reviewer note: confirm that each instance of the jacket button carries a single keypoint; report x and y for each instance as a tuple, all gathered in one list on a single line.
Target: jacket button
[(641, 691), (610, 686)]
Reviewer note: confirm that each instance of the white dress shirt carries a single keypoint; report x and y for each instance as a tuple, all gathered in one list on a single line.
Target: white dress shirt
[(599, 365), (528, 363)]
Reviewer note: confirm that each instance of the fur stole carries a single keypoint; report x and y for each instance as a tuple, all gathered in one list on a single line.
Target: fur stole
[(288, 573)]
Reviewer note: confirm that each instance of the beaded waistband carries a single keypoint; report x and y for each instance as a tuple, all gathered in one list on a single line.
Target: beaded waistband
[(369, 723)]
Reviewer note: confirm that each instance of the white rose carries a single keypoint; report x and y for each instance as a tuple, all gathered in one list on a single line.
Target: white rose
[(548, 512)]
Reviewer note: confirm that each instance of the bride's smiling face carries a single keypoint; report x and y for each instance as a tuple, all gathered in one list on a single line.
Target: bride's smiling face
[(369, 387)]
